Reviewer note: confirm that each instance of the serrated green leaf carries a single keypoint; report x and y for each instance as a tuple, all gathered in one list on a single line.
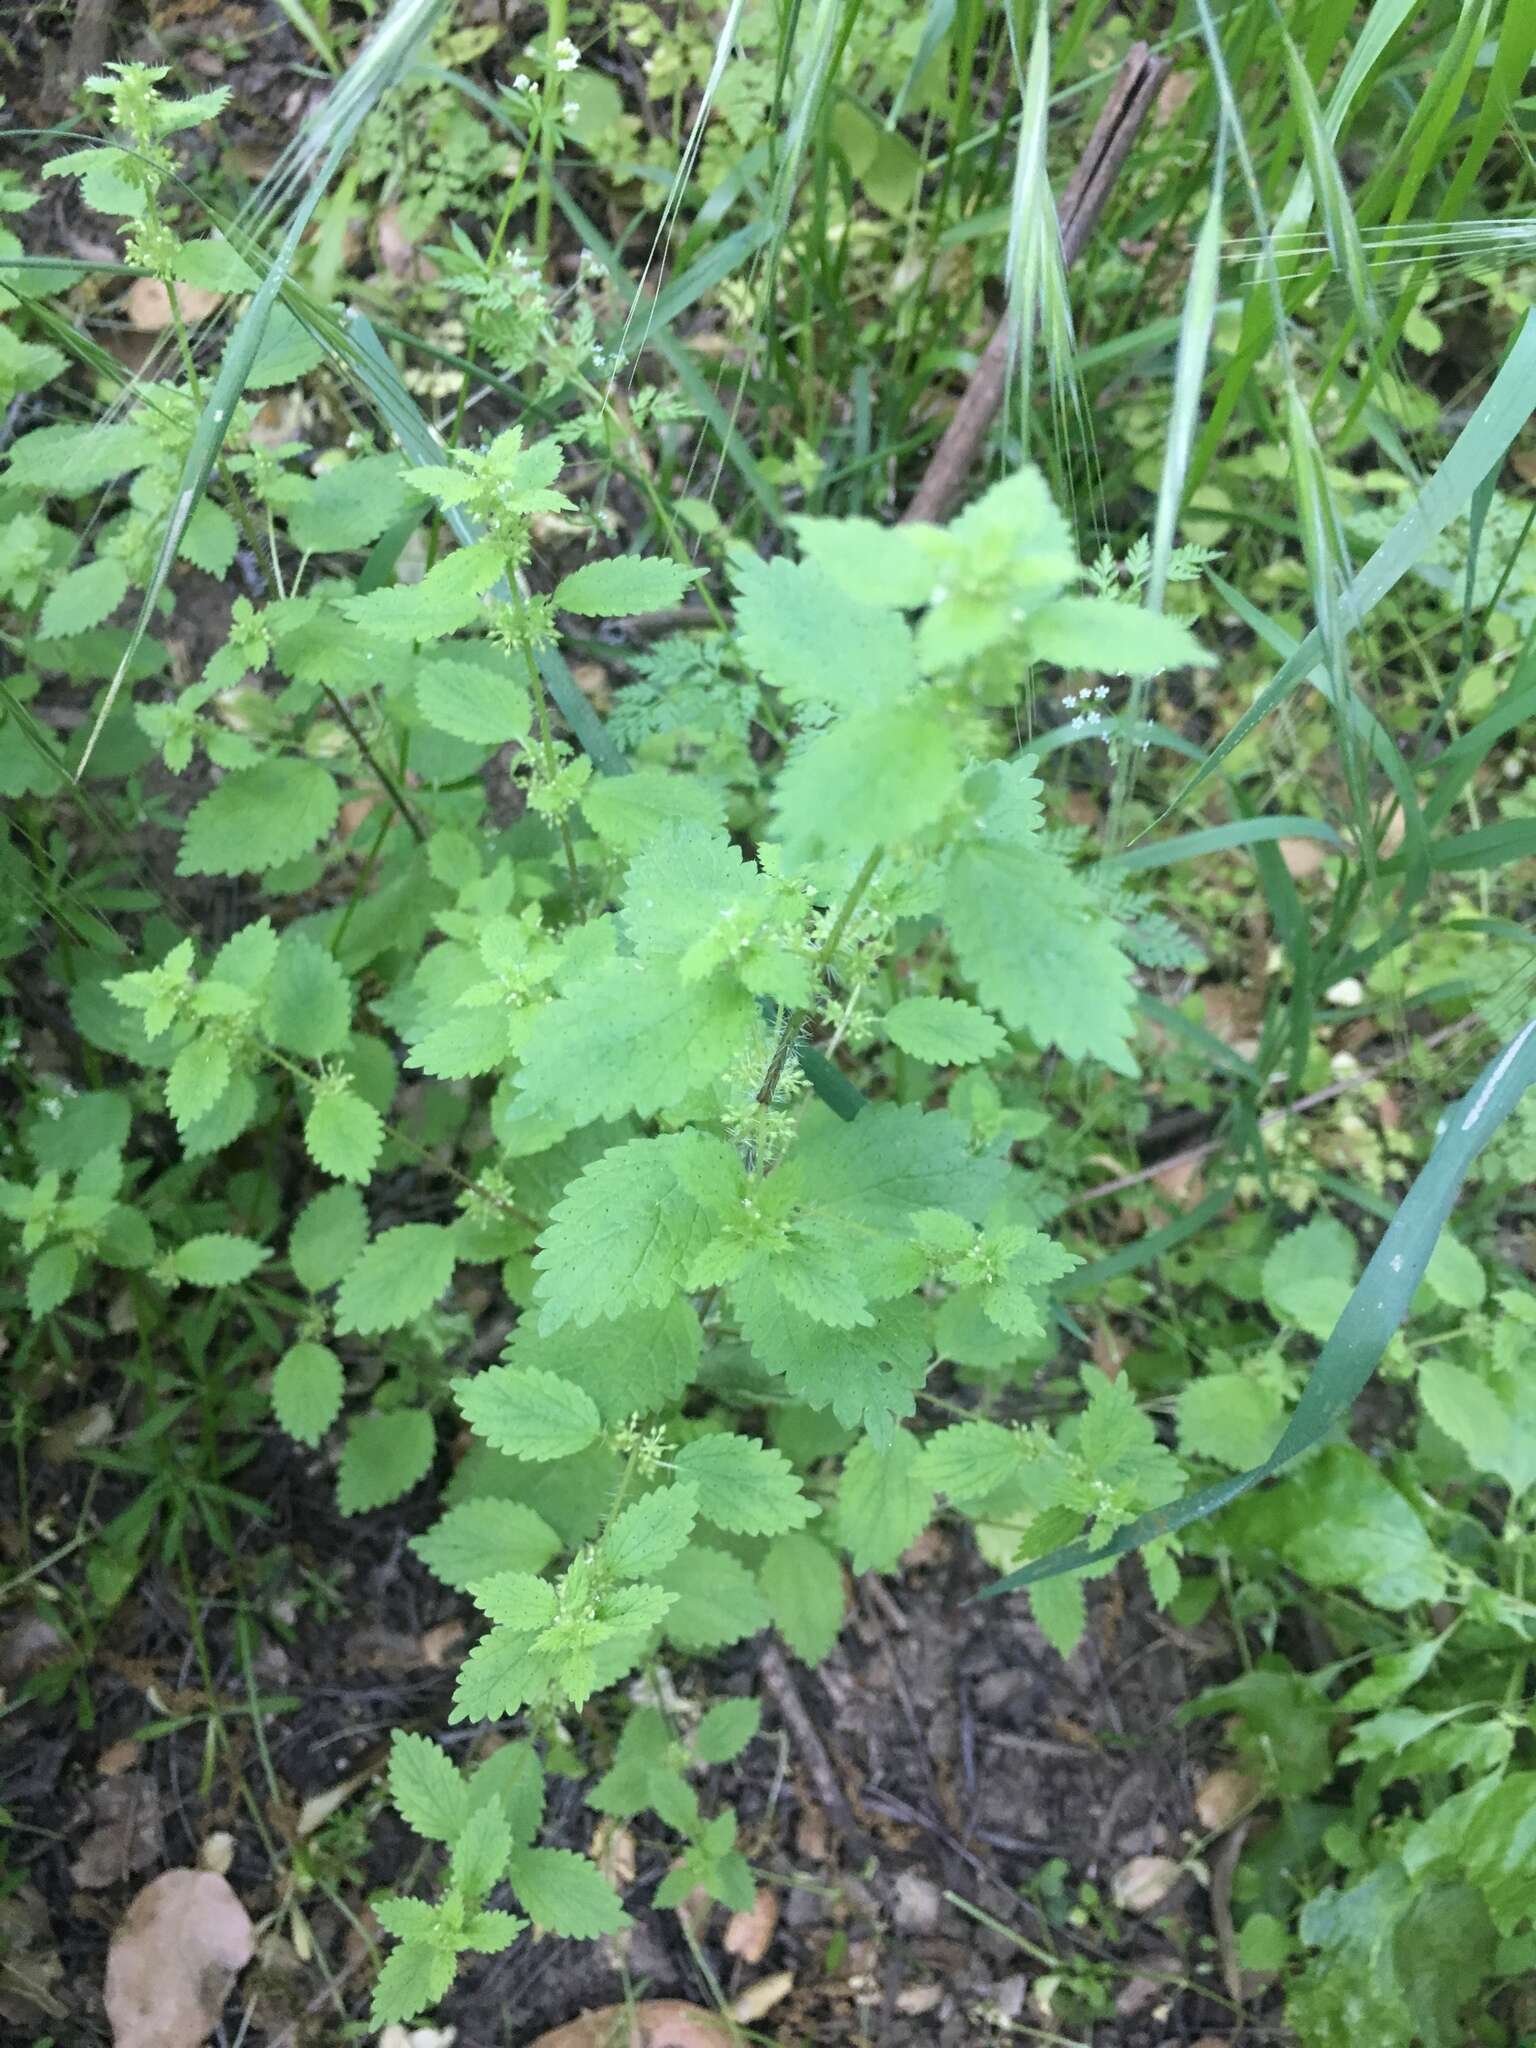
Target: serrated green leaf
[(344, 1135), (1455, 1274), (1309, 1273), (309, 999), (414, 1977), (479, 1538), (84, 597), (385, 1455), (447, 598), (944, 1030), (398, 1277), (743, 1486), (258, 818), (803, 1584), (218, 1259), (627, 811), (884, 1502), (631, 1225), (717, 1600), (198, 1077), (428, 1791), (877, 778), (327, 1237), (51, 1279), (307, 1387), (816, 644), (482, 701), (566, 1894), (350, 504), (1112, 639), (210, 539), (1040, 949), (528, 1413), (725, 1730), (514, 1777), (480, 1851), (650, 1533), (1230, 1418), (623, 586)]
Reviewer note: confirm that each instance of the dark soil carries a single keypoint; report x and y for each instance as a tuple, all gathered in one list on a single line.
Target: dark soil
[(968, 1764)]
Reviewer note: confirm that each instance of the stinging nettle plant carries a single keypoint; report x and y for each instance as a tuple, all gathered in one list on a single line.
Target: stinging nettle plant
[(598, 991)]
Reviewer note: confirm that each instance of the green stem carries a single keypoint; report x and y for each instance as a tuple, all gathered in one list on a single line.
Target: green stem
[(547, 742), (554, 35), (795, 1021)]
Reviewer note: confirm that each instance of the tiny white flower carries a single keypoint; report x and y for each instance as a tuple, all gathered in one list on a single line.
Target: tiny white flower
[(570, 110), (567, 56), (521, 82)]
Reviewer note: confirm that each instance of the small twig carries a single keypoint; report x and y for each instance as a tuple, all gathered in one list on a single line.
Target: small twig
[(781, 1688), (1193, 1154), (1129, 103)]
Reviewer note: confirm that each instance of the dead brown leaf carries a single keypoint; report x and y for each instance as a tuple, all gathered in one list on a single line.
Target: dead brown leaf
[(748, 1934), (653, 2023), (118, 1757), (149, 304), (126, 1836), (1302, 857), (760, 1998), (27, 1646), (1144, 1883), (177, 1950), (1224, 1797)]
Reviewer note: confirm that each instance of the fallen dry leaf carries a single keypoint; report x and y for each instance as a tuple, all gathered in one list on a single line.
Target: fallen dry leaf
[(149, 304), (27, 1646), (748, 1934), (118, 1757), (177, 1950), (126, 1836), (217, 1852), (1142, 1885), (760, 1998), (653, 2023), (1302, 857), (1225, 1797)]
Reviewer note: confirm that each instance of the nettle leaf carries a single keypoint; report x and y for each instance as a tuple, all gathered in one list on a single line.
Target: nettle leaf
[(350, 505), (447, 598), (480, 1851), (258, 818), (327, 1237), (217, 1259), (484, 701), (344, 1135), (399, 1277), (83, 598), (1337, 1520), (1041, 950), (971, 1460), (514, 1777), (627, 811), (725, 1730), (878, 565), (717, 1600), (481, 1537), (566, 1894), (1309, 1274), (650, 1533), (1230, 1418), (634, 1365), (884, 1502), (1111, 639), (629, 1037), (307, 1387), (415, 1976), (623, 586), (944, 1030), (868, 1376), (528, 1413), (428, 1792), (816, 644), (309, 999), (210, 539), (198, 1077), (384, 1456), (743, 1486), (877, 778), (631, 1225), (803, 1584)]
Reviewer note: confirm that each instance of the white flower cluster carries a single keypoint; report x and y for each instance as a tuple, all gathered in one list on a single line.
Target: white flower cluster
[(567, 56)]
